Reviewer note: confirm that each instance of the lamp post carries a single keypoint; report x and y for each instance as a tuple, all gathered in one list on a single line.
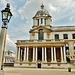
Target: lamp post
[(6, 16)]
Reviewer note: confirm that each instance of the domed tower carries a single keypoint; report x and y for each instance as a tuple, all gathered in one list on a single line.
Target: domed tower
[(41, 25), (42, 18)]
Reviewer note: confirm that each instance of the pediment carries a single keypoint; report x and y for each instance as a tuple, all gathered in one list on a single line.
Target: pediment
[(40, 27)]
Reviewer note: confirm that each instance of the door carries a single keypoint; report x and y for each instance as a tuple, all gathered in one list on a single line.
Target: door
[(39, 65)]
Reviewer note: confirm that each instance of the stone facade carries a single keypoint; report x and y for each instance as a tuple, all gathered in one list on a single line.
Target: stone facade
[(48, 47), (9, 56)]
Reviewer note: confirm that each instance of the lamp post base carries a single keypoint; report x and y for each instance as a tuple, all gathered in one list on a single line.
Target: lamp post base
[(1, 72)]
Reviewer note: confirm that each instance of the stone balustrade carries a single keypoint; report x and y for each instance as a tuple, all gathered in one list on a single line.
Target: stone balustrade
[(38, 41)]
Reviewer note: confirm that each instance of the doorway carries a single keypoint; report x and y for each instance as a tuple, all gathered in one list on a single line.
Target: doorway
[(39, 65)]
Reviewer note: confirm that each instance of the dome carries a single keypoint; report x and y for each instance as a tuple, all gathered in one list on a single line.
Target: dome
[(42, 11)]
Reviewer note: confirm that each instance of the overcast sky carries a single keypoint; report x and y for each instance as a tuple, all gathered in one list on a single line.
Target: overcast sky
[(62, 12)]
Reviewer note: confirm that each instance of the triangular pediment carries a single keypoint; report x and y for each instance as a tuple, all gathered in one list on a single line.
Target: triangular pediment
[(40, 27)]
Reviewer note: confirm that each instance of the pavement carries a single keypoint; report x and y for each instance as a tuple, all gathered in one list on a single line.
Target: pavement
[(36, 71)]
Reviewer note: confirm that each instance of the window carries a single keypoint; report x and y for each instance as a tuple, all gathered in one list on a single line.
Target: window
[(74, 48), (65, 36), (40, 34), (67, 49), (38, 21), (56, 36), (41, 20), (73, 36), (45, 21)]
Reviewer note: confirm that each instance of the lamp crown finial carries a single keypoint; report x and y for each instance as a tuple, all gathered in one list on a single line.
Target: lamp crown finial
[(8, 5)]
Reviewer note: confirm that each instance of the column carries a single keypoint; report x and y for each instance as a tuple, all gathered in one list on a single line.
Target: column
[(45, 55), (51, 54), (61, 55), (64, 55), (43, 22), (27, 53), (16, 53), (36, 53), (54, 54), (42, 53), (19, 54), (24, 53), (33, 53)]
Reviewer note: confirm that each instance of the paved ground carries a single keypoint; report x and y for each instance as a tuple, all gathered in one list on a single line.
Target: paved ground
[(35, 71)]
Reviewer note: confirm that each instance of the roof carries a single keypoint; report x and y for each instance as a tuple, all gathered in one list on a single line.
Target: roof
[(62, 28), (56, 28)]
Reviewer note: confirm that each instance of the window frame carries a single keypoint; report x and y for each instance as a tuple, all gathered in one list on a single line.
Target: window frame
[(38, 21), (41, 37), (73, 36), (56, 36), (65, 37), (45, 21), (41, 20)]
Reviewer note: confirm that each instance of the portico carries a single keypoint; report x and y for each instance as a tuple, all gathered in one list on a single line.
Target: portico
[(45, 53)]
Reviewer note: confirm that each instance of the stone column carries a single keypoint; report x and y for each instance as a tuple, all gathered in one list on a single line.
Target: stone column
[(42, 53), (27, 53), (54, 54), (51, 54), (36, 53), (43, 22), (45, 55), (21, 54), (33, 53), (18, 53), (61, 55), (64, 55)]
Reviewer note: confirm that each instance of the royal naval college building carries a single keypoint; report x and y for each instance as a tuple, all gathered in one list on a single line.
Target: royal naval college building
[(49, 46)]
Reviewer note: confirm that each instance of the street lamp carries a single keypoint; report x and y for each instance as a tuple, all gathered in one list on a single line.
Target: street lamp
[(6, 16)]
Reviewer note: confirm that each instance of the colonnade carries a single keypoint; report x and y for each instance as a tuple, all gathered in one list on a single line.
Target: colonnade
[(44, 54)]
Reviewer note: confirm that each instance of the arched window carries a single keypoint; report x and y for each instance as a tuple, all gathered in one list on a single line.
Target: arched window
[(40, 34), (74, 48), (67, 49)]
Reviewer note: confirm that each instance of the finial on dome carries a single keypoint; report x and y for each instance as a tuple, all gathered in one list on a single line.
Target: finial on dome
[(42, 6)]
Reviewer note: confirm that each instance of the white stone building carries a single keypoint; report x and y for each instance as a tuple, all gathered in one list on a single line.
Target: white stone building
[(49, 46), (9, 56)]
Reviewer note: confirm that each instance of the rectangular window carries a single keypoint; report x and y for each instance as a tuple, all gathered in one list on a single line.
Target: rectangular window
[(73, 36), (56, 36), (45, 21), (41, 20), (65, 36), (38, 21)]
